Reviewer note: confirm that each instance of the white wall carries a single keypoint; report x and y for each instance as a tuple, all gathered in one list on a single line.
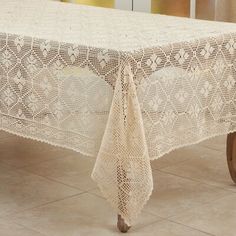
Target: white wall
[(142, 5)]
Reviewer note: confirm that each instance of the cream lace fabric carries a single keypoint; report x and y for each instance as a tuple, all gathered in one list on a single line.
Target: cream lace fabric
[(123, 87)]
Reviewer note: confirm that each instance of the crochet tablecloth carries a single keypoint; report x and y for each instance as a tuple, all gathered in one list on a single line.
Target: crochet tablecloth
[(123, 87)]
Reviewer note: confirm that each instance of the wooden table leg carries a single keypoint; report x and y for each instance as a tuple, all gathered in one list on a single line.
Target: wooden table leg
[(231, 155), (122, 226)]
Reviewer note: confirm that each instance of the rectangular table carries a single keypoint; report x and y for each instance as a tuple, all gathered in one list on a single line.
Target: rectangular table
[(123, 87)]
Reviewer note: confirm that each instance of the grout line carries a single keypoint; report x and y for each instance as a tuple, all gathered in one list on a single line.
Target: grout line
[(29, 164), (215, 148), (219, 152), (11, 215), (26, 227), (200, 181), (40, 161), (191, 227), (170, 165), (148, 224), (94, 194), (188, 210), (57, 181), (47, 178)]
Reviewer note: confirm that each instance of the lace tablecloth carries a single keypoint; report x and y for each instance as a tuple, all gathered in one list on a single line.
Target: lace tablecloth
[(120, 86)]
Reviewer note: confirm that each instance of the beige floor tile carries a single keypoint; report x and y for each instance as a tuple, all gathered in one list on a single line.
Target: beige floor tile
[(172, 195), (178, 156), (183, 154), (85, 215), (217, 218), (72, 170), (167, 228), (217, 143), (206, 169), (199, 150), (5, 167), (4, 134), (10, 175), (20, 152), (191, 186), (8, 228), (20, 190)]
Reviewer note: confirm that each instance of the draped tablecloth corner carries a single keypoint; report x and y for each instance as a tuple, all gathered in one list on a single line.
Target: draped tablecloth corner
[(123, 167)]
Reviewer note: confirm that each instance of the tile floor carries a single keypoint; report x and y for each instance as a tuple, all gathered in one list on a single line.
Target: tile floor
[(47, 191)]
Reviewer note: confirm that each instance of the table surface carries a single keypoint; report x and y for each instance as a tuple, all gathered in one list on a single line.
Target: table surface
[(101, 27)]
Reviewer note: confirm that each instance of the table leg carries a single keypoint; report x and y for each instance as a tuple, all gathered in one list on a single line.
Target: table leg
[(122, 226), (231, 155)]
